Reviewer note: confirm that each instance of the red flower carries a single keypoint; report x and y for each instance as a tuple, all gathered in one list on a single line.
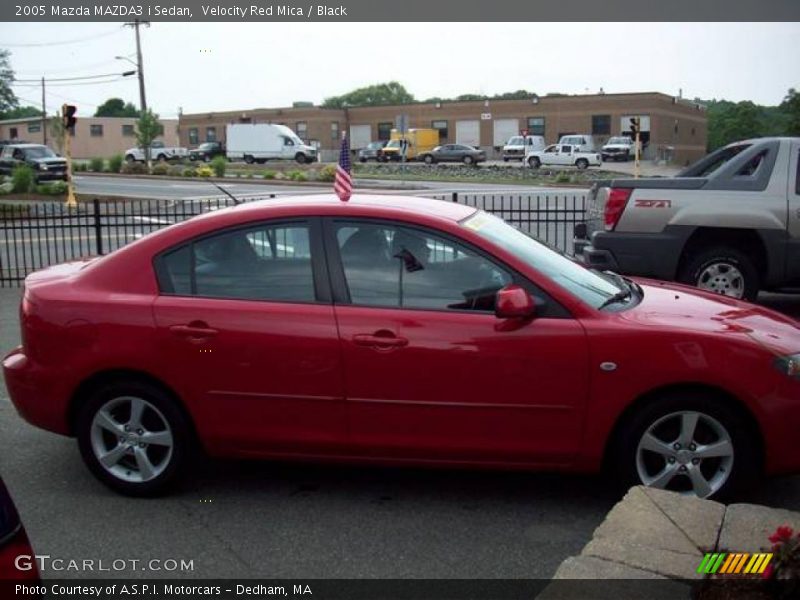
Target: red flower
[(768, 572), (782, 534)]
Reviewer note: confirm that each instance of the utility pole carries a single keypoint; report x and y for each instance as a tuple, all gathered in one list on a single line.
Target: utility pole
[(44, 116), (140, 69)]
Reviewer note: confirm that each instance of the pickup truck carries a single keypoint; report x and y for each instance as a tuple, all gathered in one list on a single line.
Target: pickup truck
[(46, 164), (729, 223), (619, 147), (158, 151), (562, 155)]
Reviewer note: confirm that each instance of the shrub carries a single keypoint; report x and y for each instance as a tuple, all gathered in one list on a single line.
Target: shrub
[(115, 163), (134, 168), (175, 170), (297, 175), (268, 174), (563, 177), (219, 164), (54, 188), (78, 167), (6, 188), (327, 173), (204, 171), (97, 165), (23, 179), (189, 172), (160, 168), (786, 564)]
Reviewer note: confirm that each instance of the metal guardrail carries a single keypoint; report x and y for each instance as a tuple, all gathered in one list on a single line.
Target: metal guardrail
[(37, 235)]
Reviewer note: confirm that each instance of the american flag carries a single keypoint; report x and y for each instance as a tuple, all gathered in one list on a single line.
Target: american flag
[(343, 183)]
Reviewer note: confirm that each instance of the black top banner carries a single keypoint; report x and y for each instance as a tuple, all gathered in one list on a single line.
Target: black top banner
[(401, 10)]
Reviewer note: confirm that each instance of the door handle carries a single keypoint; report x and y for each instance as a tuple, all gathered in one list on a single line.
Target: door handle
[(380, 339), (194, 330)]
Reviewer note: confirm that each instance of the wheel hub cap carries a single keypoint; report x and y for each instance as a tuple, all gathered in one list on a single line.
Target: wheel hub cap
[(722, 278)]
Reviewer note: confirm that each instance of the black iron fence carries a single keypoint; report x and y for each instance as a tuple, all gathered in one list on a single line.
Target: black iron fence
[(37, 235)]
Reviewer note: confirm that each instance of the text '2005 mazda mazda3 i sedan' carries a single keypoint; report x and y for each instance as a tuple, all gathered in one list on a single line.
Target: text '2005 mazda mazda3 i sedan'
[(398, 330)]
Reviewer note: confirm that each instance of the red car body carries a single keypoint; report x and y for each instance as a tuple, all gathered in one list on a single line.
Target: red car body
[(14, 544), (295, 380)]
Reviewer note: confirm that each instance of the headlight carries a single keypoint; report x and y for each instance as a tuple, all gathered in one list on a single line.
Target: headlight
[(42, 166), (789, 365)]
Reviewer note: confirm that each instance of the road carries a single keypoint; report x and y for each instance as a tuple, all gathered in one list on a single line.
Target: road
[(170, 189), (269, 520)]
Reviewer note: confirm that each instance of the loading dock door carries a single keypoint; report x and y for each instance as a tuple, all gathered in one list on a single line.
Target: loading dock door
[(360, 136), (504, 129), (468, 132)]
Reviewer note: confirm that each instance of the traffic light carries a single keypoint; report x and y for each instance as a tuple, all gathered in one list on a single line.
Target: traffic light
[(68, 116), (635, 126)]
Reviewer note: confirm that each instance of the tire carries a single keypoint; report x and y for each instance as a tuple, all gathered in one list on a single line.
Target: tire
[(468, 160), (300, 158), (534, 162), (129, 158), (249, 159), (672, 459), (362, 160), (429, 160), (162, 158), (582, 164), (505, 159), (722, 270), (206, 158), (161, 419)]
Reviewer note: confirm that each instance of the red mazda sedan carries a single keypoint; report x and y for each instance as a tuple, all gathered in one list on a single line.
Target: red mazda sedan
[(398, 330)]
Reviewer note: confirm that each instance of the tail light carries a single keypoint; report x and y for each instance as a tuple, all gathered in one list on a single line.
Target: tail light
[(617, 200)]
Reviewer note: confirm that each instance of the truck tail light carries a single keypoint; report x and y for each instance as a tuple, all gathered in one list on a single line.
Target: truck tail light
[(617, 200)]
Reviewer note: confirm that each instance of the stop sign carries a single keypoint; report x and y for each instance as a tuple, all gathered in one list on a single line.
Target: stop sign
[(524, 132)]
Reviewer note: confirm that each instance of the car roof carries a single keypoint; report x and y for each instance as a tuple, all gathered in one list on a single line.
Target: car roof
[(27, 145)]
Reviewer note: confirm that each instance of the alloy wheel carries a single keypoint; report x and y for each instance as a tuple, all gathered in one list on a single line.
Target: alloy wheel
[(722, 278)]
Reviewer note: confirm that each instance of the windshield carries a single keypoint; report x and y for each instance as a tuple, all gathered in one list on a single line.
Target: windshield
[(589, 286), (39, 152), (514, 141), (393, 144), (619, 140), (375, 145), (206, 146)]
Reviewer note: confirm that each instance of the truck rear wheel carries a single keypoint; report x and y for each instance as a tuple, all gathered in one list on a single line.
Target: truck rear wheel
[(722, 270), (249, 159), (582, 163), (534, 162)]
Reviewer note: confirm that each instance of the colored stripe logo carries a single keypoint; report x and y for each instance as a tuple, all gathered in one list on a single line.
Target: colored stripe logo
[(734, 563)]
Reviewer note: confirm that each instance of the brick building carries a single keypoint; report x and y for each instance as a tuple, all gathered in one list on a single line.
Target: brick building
[(669, 125)]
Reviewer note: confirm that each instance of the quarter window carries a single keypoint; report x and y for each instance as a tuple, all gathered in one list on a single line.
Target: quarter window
[(259, 263), (401, 267)]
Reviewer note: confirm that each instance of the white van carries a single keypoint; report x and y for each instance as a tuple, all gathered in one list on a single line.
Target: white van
[(518, 146), (260, 142), (580, 142)]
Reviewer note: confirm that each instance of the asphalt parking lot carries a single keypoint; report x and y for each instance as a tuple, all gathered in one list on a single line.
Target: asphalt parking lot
[(261, 520)]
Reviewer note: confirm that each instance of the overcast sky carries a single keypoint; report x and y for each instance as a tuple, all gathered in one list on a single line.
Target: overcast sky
[(204, 67)]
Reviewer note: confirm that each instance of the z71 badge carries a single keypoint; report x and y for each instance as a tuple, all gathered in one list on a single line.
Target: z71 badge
[(653, 203)]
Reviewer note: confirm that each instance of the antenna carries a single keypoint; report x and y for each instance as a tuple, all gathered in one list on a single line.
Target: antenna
[(226, 192)]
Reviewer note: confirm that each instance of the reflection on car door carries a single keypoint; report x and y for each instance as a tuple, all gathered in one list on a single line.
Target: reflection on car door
[(244, 319), (430, 371)]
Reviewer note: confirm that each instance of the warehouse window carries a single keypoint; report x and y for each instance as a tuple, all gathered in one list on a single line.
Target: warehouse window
[(211, 134), (34, 127), (335, 130), (193, 136), (96, 130), (384, 131), (536, 125), (301, 129), (442, 127), (127, 131), (601, 124)]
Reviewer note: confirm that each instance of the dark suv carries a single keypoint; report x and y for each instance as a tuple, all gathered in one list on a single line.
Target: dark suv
[(207, 151), (46, 164)]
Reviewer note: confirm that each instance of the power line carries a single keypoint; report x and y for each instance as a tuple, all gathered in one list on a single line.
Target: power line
[(88, 82), (72, 69), (75, 78), (64, 42)]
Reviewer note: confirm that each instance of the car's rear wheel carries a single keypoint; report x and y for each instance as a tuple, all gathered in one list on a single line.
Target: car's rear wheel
[(468, 160), (133, 437), (534, 162), (582, 163), (129, 158), (690, 442), (723, 271), (428, 159)]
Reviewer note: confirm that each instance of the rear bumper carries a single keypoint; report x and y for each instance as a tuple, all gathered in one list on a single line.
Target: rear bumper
[(39, 395)]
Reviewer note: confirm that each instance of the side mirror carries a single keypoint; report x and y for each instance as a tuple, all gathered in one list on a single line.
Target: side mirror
[(514, 302)]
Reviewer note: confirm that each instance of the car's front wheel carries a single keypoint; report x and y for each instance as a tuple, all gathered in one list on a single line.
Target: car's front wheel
[(133, 437), (691, 442)]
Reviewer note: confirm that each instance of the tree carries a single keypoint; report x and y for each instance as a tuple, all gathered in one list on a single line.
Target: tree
[(372, 95), (22, 112), (116, 107), (8, 100), (470, 97), (791, 109), (57, 131), (148, 128), (518, 95)]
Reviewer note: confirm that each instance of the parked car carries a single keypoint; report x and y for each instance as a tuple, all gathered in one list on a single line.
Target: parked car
[(207, 151), (372, 151), (562, 155), (619, 148), (730, 223), (583, 142), (518, 146), (398, 330), (260, 142), (47, 165), (453, 153), (158, 151), (13, 544)]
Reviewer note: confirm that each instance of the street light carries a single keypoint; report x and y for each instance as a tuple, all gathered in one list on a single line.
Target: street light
[(126, 58)]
